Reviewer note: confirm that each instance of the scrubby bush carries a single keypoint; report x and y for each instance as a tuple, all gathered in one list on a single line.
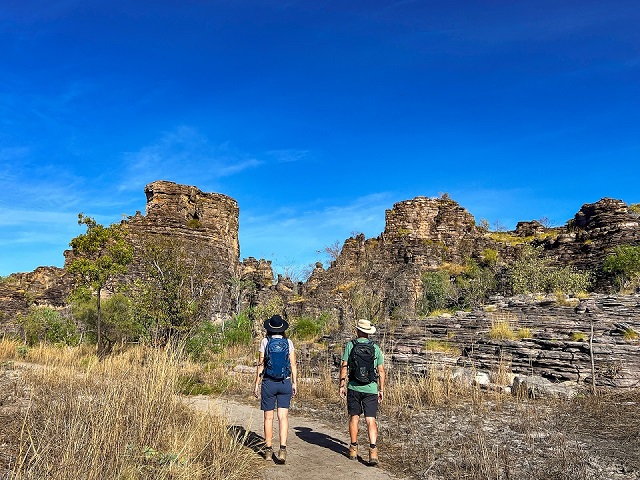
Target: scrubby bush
[(119, 323), (46, 324), (533, 273), (624, 264), (237, 331), (310, 328), (437, 291), (474, 285)]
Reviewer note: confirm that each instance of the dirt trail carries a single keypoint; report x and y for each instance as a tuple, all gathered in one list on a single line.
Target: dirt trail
[(314, 450)]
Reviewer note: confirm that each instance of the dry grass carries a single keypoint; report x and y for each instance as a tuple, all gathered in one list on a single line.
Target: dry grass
[(119, 419)]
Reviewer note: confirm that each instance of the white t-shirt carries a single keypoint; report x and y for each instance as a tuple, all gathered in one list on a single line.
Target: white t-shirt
[(263, 343)]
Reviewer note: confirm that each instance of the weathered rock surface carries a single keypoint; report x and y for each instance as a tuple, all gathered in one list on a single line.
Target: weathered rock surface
[(558, 349), (45, 286), (381, 278)]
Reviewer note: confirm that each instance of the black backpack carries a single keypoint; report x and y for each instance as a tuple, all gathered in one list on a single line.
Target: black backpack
[(362, 362), (276, 359)]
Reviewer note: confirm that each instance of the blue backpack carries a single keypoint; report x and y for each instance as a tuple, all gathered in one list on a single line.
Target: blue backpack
[(276, 359)]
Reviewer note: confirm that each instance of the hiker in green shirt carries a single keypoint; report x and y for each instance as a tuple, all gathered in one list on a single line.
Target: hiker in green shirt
[(364, 390)]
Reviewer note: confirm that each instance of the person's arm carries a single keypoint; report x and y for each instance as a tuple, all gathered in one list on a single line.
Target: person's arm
[(381, 378), (259, 369), (294, 372), (343, 380)]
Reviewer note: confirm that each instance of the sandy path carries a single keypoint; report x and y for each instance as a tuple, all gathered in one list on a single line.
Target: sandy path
[(314, 450)]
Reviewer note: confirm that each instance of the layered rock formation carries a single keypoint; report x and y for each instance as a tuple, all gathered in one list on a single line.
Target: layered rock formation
[(381, 277), (428, 233), (185, 212), (45, 286), (556, 344)]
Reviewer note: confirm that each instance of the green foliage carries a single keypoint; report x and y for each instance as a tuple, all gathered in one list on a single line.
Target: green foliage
[(237, 331), (455, 287), (178, 289), (474, 285), (442, 346), (193, 385), (532, 273), (194, 224), (579, 337), (207, 338), (45, 324), (273, 306), (309, 328), (436, 291), (99, 255), (490, 256), (118, 320), (204, 339), (635, 208), (624, 263)]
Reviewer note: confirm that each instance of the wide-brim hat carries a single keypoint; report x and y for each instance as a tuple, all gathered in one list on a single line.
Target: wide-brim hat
[(276, 324), (365, 326)]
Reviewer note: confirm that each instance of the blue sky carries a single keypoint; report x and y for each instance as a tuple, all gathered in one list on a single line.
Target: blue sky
[(315, 116)]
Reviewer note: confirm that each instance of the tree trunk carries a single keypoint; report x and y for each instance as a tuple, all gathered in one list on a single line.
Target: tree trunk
[(99, 347)]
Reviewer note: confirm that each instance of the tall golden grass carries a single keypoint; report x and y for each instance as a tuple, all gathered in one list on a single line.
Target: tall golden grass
[(119, 419)]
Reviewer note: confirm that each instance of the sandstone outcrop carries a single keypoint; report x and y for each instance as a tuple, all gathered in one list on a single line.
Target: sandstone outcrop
[(45, 286), (381, 278), (556, 345)]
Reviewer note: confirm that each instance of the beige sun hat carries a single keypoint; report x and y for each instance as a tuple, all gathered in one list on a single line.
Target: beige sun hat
[(365, 326)]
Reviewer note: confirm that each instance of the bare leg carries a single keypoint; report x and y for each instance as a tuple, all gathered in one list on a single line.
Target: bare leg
[(268, 427), (283, 424), (353, 428), (372, 428)]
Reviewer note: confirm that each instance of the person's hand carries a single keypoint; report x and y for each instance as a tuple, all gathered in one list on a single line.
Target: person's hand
[(343, 391), (380, 396), (256, 391), (294, 388)]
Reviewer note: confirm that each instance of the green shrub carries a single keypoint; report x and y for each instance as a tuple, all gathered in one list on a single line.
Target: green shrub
[(578, 337), (309, 328), (533, 273), (624, 263), (437, 291), (490, 256), (193, 385), (474, 285), (237, 331), (45, 324), (204, 339)]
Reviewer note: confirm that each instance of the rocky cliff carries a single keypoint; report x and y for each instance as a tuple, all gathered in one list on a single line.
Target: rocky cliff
[(555, 341), (426, 234), (381, 277)]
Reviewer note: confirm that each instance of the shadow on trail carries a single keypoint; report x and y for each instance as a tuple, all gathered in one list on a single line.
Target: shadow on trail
[(306, 434), (248, 438)]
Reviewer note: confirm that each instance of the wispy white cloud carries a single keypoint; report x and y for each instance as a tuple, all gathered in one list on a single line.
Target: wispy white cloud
[(288, 155), (293, 237), (181, 155)]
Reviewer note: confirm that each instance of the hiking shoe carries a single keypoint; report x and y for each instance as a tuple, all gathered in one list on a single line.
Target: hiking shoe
[(282, 456), (353, 452), (268, 453), (373, 456)]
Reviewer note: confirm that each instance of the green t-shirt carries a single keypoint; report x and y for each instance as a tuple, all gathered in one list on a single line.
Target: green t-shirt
[(379, 360)]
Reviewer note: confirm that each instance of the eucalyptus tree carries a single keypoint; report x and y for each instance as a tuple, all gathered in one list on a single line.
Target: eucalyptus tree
[(99, 256)]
